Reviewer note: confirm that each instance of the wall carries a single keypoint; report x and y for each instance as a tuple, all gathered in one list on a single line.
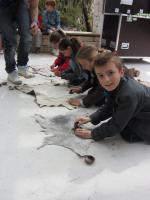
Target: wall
[(87, 38)]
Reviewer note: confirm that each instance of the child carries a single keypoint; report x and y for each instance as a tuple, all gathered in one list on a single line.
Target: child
[(95, 96), (85, 57), (127, 107), (51, 17), (61, 63), (51, 21), (69, 48)]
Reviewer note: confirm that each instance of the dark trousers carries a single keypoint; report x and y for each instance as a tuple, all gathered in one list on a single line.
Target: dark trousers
[(128, 135), (13, 18)]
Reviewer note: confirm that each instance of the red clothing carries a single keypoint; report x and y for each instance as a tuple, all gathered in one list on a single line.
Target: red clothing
[(40, 21), (62, 62)]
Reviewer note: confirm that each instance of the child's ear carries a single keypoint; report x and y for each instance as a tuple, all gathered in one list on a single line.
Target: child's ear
[(122, 71)]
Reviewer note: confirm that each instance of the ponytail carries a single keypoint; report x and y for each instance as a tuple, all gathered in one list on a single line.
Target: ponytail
[(74, 43)]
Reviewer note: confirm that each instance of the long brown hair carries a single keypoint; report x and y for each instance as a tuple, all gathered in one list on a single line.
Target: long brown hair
[(86, 52), (89, 52)]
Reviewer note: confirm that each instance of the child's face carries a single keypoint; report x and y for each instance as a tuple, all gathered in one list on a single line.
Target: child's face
[(67, 52), (86, 64), (55, 45), (109, 76), (49, 8)]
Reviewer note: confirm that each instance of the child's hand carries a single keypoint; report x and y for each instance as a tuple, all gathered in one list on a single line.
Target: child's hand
[(54, 69), (74, 102), (52, 66), (49, 31), (83, 133), (83, 120), (75, 90), (57, 73)]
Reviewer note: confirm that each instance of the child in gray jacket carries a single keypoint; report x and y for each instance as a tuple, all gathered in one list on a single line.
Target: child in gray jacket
[(127, 105)]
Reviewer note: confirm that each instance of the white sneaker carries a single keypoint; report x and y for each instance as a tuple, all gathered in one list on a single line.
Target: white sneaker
[(13, 77), (24, 71)]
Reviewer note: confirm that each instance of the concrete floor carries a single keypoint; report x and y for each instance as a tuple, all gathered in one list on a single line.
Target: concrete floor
[(121, 170)]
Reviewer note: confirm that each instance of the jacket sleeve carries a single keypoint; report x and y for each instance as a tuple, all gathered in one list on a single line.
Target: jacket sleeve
[(67, 74), (57, 20), (96, 97), (64, 66), (87, 83), (126, 107), (103, 113), (59, 59), (45, 21)]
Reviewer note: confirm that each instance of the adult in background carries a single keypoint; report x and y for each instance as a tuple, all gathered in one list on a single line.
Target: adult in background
[(21, 16)]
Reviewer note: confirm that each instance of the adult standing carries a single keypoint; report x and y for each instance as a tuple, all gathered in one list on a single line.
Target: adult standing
[(18, 16)]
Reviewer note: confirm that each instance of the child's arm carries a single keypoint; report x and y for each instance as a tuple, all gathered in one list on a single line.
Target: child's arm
[(67, 74), (87, 84), (65, 65), (94, 97), (103, 113), (57, 20), (59, 60), (45, 21), (120, 118)]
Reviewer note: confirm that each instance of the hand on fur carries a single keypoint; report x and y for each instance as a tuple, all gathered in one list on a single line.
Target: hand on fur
[(83, 133)]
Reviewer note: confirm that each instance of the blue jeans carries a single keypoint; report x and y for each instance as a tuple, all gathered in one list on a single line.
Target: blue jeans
[(12, 19)]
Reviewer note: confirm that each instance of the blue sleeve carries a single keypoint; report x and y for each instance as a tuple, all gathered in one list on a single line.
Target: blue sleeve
[(57, 20), (45, 20)]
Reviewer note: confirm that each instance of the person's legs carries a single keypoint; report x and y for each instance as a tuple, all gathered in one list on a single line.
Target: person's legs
[(128, 135), (23, 20), (8, 29), (24, 32)]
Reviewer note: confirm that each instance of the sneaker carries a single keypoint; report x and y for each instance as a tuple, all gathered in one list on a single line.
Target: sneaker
[(24, 71), (13, 77)]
